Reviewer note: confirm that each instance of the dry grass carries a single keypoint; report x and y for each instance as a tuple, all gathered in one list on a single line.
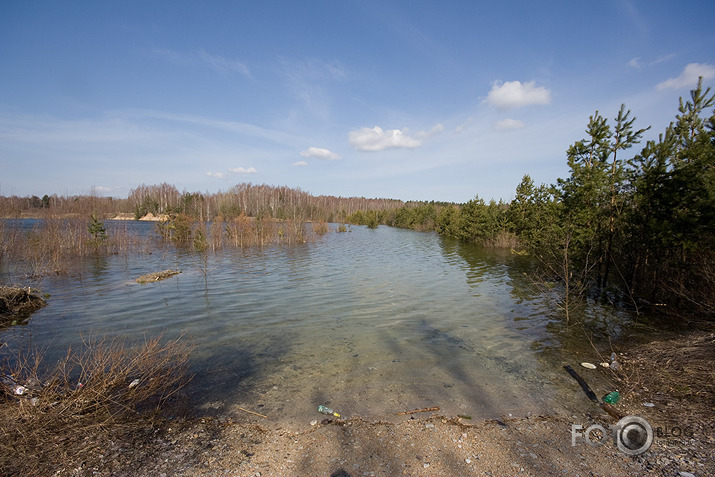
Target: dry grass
[(54, 244), (676, 375), (244, 231), (105, 391), (320, 227)]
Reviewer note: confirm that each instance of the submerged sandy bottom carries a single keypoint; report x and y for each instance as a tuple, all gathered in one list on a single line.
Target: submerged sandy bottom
[(380, 372)]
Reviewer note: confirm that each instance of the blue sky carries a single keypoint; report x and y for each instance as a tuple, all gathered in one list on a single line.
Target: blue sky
[(411, 100)]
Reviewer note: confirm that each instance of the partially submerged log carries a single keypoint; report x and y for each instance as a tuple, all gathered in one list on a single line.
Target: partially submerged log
[(157, 276), (18, 303), (591, 395)]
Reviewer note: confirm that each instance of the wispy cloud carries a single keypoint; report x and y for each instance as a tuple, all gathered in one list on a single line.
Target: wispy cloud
[(378, 139), (217, 175), (243, 170), (309, 82), (73, 133), (662, 59), (300, 164), (515, 94), (638, 63), (637, 20), (689, 77), (302, 71), (248, 129), (221, 64), (319, 153), (202, 57), (509, 125)]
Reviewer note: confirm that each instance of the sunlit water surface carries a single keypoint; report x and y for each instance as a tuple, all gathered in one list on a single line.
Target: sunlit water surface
[(369, 322)]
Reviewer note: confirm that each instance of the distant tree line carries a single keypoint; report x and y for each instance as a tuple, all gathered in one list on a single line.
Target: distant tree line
[(246, 215), (258, 201), (639, 228)]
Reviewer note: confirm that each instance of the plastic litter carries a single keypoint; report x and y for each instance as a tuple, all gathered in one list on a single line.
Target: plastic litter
[(16, 388), (612, 398), (614, 363), (326, 410), (588, 365), (648, 404), (134, 383)]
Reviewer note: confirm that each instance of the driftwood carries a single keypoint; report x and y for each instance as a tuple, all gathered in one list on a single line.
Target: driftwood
[(251, 412), (427, 409), (157, 276)]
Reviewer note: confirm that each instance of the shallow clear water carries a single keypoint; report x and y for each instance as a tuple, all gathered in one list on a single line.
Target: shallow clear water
[(370, 322)]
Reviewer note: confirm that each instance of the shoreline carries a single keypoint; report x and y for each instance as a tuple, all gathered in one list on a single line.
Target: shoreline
[(438, 445), (121, 216)]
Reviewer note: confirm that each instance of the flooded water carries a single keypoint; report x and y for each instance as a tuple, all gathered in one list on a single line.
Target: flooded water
[(369, 322)]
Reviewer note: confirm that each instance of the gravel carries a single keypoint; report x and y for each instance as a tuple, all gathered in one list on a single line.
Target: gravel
[(429, 446)]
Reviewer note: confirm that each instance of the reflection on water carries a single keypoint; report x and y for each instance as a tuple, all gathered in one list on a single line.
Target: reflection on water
[(370, 322)]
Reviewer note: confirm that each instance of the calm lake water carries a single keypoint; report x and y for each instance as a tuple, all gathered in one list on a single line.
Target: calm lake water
[(369, 322)]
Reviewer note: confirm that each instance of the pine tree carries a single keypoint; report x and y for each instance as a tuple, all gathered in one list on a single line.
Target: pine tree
[(97, 230)]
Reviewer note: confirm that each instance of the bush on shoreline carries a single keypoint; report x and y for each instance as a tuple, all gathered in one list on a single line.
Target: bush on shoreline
[(103, 391)]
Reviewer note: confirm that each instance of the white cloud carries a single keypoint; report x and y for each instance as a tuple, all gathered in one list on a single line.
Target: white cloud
[(509, 125), (217, 175), (689, 77), (243, 170), (100, 189), (300, 164), (378, 139), (319, 153), (514, 94)]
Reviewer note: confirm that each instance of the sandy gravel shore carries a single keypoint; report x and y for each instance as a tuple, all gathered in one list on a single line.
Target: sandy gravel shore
[(431, 446)]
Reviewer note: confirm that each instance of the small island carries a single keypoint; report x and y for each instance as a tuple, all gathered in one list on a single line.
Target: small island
[(157, 276), (17, 303)]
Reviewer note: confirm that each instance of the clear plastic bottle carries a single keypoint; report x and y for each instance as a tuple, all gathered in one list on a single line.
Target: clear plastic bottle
[(614, 363), (327, 410)]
